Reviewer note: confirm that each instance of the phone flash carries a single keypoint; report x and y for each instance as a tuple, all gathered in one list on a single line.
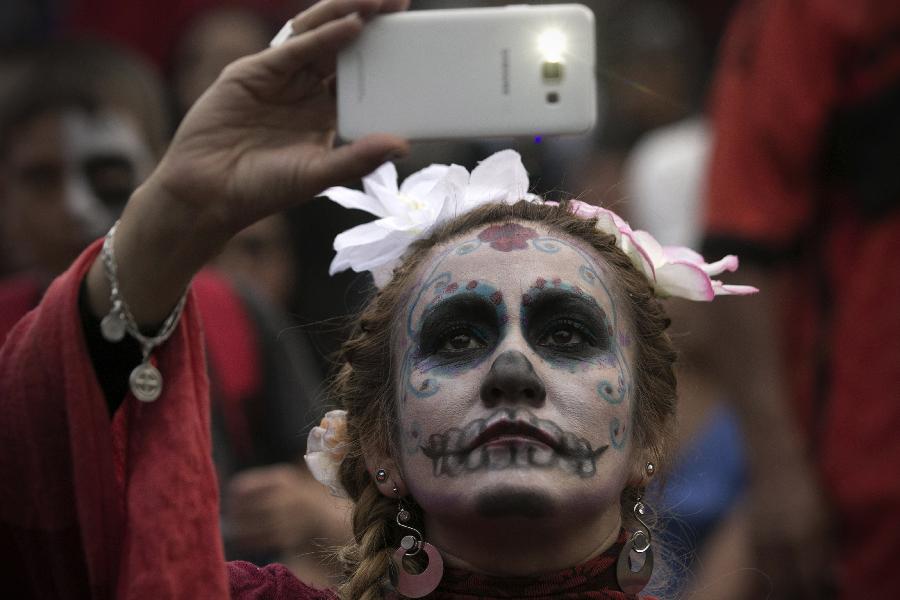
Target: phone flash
[(552, 45)]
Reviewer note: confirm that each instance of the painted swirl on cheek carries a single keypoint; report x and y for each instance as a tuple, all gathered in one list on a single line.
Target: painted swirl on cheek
[(618, 433), (429, 387), (614, 394)]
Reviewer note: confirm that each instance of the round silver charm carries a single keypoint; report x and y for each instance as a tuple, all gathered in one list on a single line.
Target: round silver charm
[(146, 382), (408, 542), (112, 327)]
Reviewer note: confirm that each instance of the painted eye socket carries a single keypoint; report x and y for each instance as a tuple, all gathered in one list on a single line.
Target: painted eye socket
[(566, 336), (460, 340)]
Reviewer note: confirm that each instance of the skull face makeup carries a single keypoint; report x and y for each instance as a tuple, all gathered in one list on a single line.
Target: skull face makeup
[(69, 176), (515, 388)]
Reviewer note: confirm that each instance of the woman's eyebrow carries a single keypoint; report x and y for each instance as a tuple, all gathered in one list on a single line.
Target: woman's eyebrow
[(467, 304), (561, 299)]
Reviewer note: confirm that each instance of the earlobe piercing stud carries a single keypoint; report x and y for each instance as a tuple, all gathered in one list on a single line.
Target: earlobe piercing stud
[(381, 475)]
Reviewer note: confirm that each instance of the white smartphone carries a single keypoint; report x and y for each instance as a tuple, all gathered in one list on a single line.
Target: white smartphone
[(475, 72)]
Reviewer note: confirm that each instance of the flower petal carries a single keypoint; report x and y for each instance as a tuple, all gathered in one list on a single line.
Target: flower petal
[(651, 248), (726, 263), (501, 177), (322, 468), (682, 254), (582, 209), (349, 198), (421, 182), (639, 257), (381, 181), (685, 280), (369, 245), (722, 289)]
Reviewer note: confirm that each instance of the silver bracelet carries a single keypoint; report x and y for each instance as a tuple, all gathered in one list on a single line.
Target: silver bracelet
[(145, 380)]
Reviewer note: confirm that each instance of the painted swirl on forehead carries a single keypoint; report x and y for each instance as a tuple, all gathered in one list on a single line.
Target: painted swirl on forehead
[(510, 438)]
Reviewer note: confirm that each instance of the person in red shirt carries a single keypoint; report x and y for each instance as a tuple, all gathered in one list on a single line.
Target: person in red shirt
[(804, 183)]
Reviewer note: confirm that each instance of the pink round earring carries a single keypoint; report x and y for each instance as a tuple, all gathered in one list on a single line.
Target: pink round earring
[(416, 585)]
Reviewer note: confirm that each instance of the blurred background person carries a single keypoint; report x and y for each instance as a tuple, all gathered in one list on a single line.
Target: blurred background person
[(210, 41), (80, 127), (804, 183)]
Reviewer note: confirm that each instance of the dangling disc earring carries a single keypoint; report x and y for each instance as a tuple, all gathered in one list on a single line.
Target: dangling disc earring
[(632, 581), (416, 585)]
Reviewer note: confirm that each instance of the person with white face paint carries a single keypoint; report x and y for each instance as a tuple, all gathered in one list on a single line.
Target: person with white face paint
[(506, 396), (69, 174)]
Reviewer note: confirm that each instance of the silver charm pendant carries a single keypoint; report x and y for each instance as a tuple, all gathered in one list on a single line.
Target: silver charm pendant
[(113, 327), (145, 382)]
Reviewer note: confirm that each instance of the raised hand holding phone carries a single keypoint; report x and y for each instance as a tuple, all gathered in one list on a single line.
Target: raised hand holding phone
[(259, 140)]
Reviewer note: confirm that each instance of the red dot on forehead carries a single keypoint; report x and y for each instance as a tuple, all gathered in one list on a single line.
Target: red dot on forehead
[(472, 285), (540, 283), (497, 297)]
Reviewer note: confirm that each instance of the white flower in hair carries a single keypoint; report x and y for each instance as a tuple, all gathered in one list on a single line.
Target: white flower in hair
[(326, 447), (441, 192), (426, 198)]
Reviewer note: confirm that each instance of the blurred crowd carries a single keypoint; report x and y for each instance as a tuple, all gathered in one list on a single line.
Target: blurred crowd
[(765, 128)]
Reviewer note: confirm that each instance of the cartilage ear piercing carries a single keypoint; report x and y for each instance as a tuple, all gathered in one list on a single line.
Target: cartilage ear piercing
[(650, 468), (381, 475)]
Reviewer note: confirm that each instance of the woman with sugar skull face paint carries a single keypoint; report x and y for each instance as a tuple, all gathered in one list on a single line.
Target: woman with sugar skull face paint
[(506, 396)]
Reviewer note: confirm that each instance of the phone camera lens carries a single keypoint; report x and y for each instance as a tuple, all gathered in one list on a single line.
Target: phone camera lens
[(552, 97)]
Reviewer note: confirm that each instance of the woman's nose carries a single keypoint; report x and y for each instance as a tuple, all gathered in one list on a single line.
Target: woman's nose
[(513, 380)]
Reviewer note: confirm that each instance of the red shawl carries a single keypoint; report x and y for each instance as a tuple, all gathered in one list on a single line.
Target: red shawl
[(76, 518)]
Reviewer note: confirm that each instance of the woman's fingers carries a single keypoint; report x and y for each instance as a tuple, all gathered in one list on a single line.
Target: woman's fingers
[(355, 160), (330, 10), (317, 48)]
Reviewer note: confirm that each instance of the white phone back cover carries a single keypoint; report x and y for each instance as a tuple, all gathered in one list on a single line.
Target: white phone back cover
[(467, 73)]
